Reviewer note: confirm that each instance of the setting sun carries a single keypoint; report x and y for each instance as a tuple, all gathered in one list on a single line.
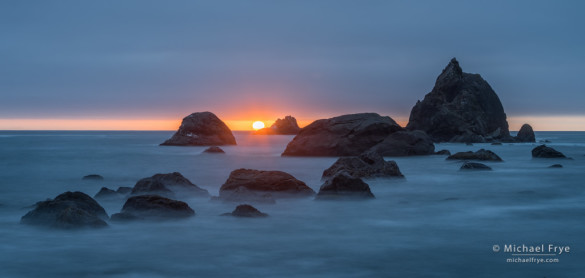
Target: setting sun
[(258, 125)]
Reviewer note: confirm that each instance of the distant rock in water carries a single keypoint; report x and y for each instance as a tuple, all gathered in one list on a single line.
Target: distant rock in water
[(69, 210), (556, 166), (443, 152), (344, 186), (214, 149), (474, 166), (286, 126), (526, 134), (202, 129), (462, 107), (347, 135), (93, 177), (153, 207), (253, 185), (163, 184), (366, 165), (405, 143), (485, 155), (106, 193), (543, 151), (246, 211)]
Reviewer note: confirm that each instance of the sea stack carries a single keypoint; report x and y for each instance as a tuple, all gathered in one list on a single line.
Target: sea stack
[(462, 107), (286, 126), (526, 134), (201, 129)]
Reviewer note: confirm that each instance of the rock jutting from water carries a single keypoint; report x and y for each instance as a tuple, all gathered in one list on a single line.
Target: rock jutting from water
[(367, 165), (153, 207), (462, 107), (484, 155), (525, 134), (246, 210), (343, 186), (286, 126), (544, 151), (166, 184), (202, 129), (214, 149), (475, 166), (93, 177), (405, 143)]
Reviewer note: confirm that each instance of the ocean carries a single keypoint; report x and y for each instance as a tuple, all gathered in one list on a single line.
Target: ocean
[(437, 222)]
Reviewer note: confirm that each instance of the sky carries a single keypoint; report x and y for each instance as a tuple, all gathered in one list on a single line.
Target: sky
[(140, 64)]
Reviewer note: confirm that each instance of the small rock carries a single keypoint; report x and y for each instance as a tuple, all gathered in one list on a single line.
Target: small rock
[(443, 152), (405, 143), (525, 134), (286, 126), (93, 177), (367, 165), (106, 193), (556, 166), (246, 210), (214, 149), (474, 166), (154, 207), (344, 186), (201, 129), (124, 190), (543, 151), (484, 155)]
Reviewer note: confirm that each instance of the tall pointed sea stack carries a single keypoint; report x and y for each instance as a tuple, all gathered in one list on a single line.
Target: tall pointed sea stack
[(462, 107), (202, 129)]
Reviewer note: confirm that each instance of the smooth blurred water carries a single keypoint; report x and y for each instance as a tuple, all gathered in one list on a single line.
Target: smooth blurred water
[(438, 222)]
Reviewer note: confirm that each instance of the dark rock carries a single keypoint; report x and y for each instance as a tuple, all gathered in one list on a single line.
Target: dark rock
[(167, 183), (67, 211), (543, 151), (247, 183), (345, 135), (443, 152), (106, 193), (474, 166), (286, 126), (469, 144), (246, 211), (93, 177), (485, 155), (344, 186), (462, 107), (124, 190), (556, 166), (526, 134), (202, 129), (154, 207), (214, 149), (405, 143), (366, 165)]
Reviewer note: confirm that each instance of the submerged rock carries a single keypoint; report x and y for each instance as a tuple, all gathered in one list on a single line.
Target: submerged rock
[(543, 151), (347, 135), (105, 192), (462, 107), (526, 134), (247, 183), (405, 143), (93, 177), (556, 166), (69, 210), (153, 207), (343, 186), (286, 126), (214, 149), (167, 183), (443, 152), (366, 165), (202, 129), (474, 166), (246, 210), (485, 155)]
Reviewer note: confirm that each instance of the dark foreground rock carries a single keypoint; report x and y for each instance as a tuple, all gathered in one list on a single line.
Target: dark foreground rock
[(462, 107), (526, 134), (246, 211), (405, 143), (214, 149), (484, 155), (165, 184), (474, 166), (347, 135), (202, 129), (343, 186), (93, 177), (286, 126), (69, 210), (243, 184), (366, 165), (153, 207), (543, 151)]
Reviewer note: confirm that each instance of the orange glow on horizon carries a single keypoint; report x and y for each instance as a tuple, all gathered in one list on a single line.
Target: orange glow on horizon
[(257, 125)]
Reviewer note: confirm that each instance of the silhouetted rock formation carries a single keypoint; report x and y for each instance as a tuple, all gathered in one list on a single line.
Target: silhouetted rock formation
[(67, 211), (482, 154), (153, 207), (202, 129), (214, 149), (462, 107), (347, 135), (286, 126), (248, 184), (366, 165), (344, 186), (405, 143), (526, 134), (163, 184), (543, 151), (246, 211), (474, 166), (93, 177)]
